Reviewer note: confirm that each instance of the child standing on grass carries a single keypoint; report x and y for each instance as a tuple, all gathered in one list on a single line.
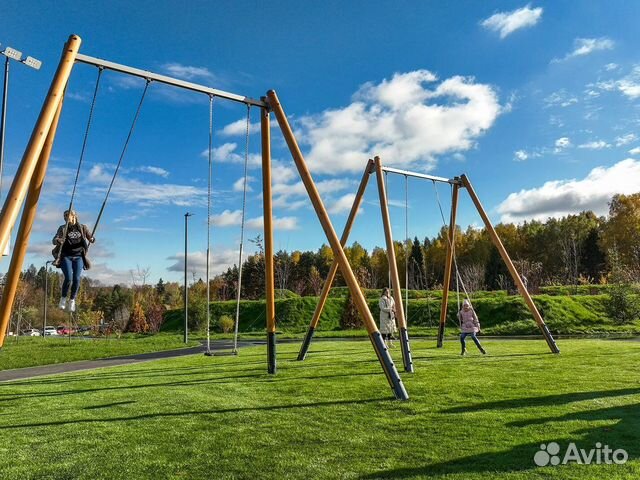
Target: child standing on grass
[(469, 325)]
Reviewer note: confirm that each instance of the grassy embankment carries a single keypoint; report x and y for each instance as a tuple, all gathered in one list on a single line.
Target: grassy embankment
[(500, 314)]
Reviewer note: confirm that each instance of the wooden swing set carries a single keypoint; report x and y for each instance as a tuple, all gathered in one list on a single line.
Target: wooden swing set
[(457, 183), (30, 176)]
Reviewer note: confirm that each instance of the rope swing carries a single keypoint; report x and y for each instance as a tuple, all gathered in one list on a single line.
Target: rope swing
[(242, 222), (124, 150), (83, 151)]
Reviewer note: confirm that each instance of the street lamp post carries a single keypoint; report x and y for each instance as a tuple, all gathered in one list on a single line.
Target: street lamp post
[(186, 286), (46, 295), (10, 54)]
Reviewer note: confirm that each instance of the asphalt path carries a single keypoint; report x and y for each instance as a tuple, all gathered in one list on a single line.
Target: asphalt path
[(30, 372)]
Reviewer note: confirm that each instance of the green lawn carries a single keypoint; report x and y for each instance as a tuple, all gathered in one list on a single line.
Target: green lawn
[(19, 352), (329, 417)]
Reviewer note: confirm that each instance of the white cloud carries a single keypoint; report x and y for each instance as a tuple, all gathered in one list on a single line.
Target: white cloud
[(226, 153), (625, 139), (219, 261), (188, 72), (400, 120), (595, 145), (635, 151), (630, 85), (108, 276), (279, 223), (506, 23), (229, 218), (558, 198), (239, 127), (342, 204), (561, 98), (146, 194), (586, 46), (562, 144), (161, 172), (610, 66), (520, 155), (238, 185)]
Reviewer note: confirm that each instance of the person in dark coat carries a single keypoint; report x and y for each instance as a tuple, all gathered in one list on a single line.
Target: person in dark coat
[(72, 243)]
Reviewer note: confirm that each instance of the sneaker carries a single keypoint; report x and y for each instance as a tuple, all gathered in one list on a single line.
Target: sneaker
[(483, 351), (63, 303), (464, 352), (72, 305)]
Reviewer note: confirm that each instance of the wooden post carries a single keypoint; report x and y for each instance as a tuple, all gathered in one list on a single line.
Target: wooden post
[(393, 268), (512, 269), (361, 304), (20, 183), (267, 209), (447, 266), (304, 348), (24, 231)]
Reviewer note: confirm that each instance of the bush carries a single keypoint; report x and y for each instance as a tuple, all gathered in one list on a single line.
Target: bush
[(622, 305), (350, 317), (284, 293), (225, 324)]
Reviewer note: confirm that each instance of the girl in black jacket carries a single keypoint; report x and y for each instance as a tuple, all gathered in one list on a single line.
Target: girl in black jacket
[(74, 243)]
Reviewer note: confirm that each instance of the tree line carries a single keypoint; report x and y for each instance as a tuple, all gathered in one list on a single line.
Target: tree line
[(572, 250)]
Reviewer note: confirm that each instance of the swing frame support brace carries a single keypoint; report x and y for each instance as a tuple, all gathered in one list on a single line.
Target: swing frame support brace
[(29, 179), (395, 382), (448, 264)]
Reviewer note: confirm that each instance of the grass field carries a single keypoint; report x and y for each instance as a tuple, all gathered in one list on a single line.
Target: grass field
[(19, 352), (329, 417)]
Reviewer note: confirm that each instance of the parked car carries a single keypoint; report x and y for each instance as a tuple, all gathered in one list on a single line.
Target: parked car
[(49, 331), (31, 332), (65, 331)]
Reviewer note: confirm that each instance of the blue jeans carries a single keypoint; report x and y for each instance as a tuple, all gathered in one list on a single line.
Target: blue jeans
[(71, 269), (464, 335)]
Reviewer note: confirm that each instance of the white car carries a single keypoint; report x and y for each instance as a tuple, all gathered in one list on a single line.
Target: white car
[(31, 332), (50, 331)]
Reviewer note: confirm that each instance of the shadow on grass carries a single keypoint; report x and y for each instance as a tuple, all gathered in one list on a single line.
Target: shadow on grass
[(624, 434), (261, 377), (76, 376), (198, 412), (542, 401), (107, 405)]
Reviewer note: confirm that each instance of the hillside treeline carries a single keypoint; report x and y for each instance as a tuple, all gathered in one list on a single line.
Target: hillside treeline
[(574, 250)]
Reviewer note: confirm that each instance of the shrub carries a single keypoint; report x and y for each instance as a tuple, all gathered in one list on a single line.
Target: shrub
[(137, 321), (350, 317), (225, 324), (622, 305)]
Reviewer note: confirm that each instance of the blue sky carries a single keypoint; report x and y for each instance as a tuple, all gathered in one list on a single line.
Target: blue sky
[(538, 103)]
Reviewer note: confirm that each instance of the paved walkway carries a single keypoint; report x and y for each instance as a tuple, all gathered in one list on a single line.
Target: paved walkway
[(29, 372)]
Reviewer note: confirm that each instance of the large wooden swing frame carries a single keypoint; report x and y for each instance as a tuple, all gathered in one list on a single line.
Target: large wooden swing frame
[(457, 183), (31, 173)]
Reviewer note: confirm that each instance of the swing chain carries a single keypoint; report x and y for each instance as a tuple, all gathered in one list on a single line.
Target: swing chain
[(82, 153)]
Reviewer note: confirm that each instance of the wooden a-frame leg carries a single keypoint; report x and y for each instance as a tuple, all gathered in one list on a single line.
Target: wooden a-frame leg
[(512, 269), (448, 264), (304, 348)]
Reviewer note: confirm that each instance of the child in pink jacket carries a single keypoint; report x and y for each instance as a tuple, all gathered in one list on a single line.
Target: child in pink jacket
[(469, 326)]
